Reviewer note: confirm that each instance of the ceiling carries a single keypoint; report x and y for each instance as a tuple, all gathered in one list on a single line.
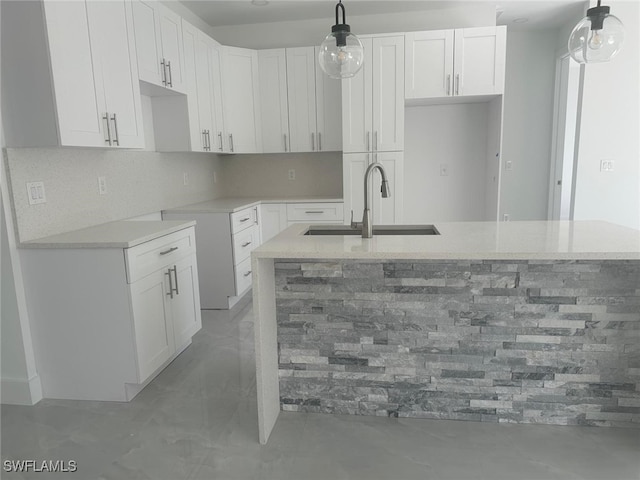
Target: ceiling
[(540, 14)]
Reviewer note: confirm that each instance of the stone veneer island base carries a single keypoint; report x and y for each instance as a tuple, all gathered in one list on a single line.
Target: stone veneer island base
[(512, 336)]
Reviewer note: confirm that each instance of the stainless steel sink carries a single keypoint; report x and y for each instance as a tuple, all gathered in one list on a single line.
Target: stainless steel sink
[(377, 230)]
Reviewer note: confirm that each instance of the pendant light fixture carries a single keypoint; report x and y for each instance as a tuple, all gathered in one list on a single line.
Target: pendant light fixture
[(596, 38), (341, 54)]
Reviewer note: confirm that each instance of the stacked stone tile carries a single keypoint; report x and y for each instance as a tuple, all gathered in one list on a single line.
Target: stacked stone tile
[(555, 342)]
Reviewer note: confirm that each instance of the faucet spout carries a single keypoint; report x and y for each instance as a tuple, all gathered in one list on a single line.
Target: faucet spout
[(367, 226)]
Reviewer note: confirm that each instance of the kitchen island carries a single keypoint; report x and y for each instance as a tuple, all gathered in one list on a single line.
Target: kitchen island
[(526, 322)]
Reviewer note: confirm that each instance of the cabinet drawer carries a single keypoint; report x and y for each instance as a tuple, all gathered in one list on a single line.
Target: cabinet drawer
[(243, 219), (244, 243), (243, 276), (148, 257), (312, 212)]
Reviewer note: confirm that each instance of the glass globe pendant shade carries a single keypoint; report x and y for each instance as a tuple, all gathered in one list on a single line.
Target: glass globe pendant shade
[(341, 55), (341, 61), (596, 38)]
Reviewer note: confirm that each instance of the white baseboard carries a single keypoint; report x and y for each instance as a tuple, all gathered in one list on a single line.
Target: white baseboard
[(17, 391)]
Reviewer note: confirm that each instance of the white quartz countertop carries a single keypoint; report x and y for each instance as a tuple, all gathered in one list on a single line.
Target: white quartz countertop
[(233, 204), (468, 240), (120, 234)]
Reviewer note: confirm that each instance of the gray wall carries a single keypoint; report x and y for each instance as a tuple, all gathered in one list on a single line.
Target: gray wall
[(528, 121)]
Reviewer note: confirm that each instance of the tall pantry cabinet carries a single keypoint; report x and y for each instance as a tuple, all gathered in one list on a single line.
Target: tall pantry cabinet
[(373, 129)]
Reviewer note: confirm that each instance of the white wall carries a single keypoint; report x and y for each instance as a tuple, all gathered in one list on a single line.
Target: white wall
[(455, 135), (528, 120), (138, 182), (317, 174), (610, 129), (313, 31)]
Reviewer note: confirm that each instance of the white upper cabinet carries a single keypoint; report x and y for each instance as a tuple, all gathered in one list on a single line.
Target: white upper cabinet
[(328, 109), (80, 87), (373, 100), (200, 54), (158, 40), (242, 129), (109, 23), (301, 83), (462, 62), (479, 60), (272, 65)]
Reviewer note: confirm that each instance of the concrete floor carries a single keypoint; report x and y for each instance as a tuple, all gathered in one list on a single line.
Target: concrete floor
[(198, 420)]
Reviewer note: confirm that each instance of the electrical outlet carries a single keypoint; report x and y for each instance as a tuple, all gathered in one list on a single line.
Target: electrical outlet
[(102, 185), (444, 170), (508, 165), (606, 165), (215, 177), (35, 192), (185, 178), (292, 174), (505, 217)]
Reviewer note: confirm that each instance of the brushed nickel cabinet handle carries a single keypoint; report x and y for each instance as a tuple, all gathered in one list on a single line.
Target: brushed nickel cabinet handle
[(248, 273), (313, 141), (368, 138), (108, 139), (375, 141), (242, 220), (175, 274), (314, 211), (164, 72), (231, 141), (319, 141), (115, 129), (457, 84), (170, 82), (172, 249), (449, 84), (220, 138), (170, 294), (285, 142), (246, 244)]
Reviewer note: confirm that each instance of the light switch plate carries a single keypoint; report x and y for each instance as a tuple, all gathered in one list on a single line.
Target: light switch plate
[(292, 174), (102, 185), (606, 165), (35, 193)]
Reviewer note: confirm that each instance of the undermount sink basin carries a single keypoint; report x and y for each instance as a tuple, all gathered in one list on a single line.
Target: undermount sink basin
[(377, 230)]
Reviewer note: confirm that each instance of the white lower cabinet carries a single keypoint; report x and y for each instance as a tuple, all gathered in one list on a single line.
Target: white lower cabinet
[(225, 242), (273, 219), (105, 321), (384, 211)]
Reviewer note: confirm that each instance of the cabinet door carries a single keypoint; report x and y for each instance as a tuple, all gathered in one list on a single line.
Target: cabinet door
[(109, 24), (356, 106), (328, 110), (241, 100), (479, 60), (388, 211), (79, 106), (273, 219), (274, 113), (301, 88), (354, 166), (217, 134), (189, 40), (146, 27), (428, 64), (185, 304), (152, 322), (388, 94), (171, 40)]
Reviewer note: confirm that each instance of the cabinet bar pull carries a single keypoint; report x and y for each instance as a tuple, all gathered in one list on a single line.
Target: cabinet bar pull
[(204, 139), (248, 273), (170, 82), (314, 211), (449, 84), (231, 141), (115, 129), (457, 84), (368, 138), (220, 137), (313, 141), (319, 141), (285, 142), (375, 141), (175, 274), (168, 272), (164, 72), (242, 220), (106, 117), (246, 244), (172, 249)]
